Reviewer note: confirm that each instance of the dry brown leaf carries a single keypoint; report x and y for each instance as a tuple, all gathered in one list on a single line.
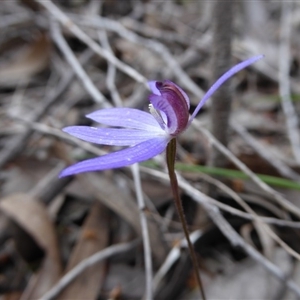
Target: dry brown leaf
[(32, 216), (158, 193), (94, 237), (24, 174), (123, 205), (135, 54), (130, 281), (11, 296), (31, 4), (27, 63)]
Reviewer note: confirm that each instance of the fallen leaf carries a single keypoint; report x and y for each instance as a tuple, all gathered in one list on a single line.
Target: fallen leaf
[(11, 296), (129, 280), (32, 60), (93, 238), (32, 216), (123, 205)]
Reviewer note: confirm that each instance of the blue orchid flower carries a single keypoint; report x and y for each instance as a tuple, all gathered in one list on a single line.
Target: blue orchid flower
[(146, 134)]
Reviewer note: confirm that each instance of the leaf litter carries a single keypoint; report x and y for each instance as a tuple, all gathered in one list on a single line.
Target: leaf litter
[(96, 211)]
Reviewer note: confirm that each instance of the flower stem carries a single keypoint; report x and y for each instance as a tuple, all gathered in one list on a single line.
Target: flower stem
[(171, 155)]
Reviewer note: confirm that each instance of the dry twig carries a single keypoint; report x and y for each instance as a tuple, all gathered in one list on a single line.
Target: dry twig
[(111, 71), (54, 132), (275, 195), (83, 265), (159, 48), (279, 165), (16, 144), (291, 118), (226, 228), (172, 257), (76, 66), (259, 224), (76, 31)]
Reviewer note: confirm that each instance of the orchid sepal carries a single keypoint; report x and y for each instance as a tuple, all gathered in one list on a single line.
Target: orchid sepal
[(146, 134), (118, 159)]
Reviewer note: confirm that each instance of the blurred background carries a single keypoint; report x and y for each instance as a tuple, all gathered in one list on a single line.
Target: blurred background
[(239, 163)]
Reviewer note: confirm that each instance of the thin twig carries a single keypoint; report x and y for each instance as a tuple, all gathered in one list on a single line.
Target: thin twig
[(84, 264), (48, 130), (136, 176), (279, 165), (45, 129), (76, 66), (173, 255), (259, 224), (14, 19), (275, 195), (41, 186), (145, 232), (291, 118), (183, 78), (76, 31), (159, 34), (111, 72), (16, 145), (239, 199), (95, 9), (247, 47), (226, 228)]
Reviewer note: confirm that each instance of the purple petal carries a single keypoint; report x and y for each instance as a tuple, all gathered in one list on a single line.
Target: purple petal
[(173, 103), (125, 117), (183, 93), (122, 158), (113, 136), (222, 79), (153, 88), (160, 103)]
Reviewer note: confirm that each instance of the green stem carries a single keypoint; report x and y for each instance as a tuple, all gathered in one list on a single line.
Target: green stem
[(171, 155)]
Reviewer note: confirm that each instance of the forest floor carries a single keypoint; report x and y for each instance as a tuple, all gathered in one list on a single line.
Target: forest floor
[(80, 237)]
